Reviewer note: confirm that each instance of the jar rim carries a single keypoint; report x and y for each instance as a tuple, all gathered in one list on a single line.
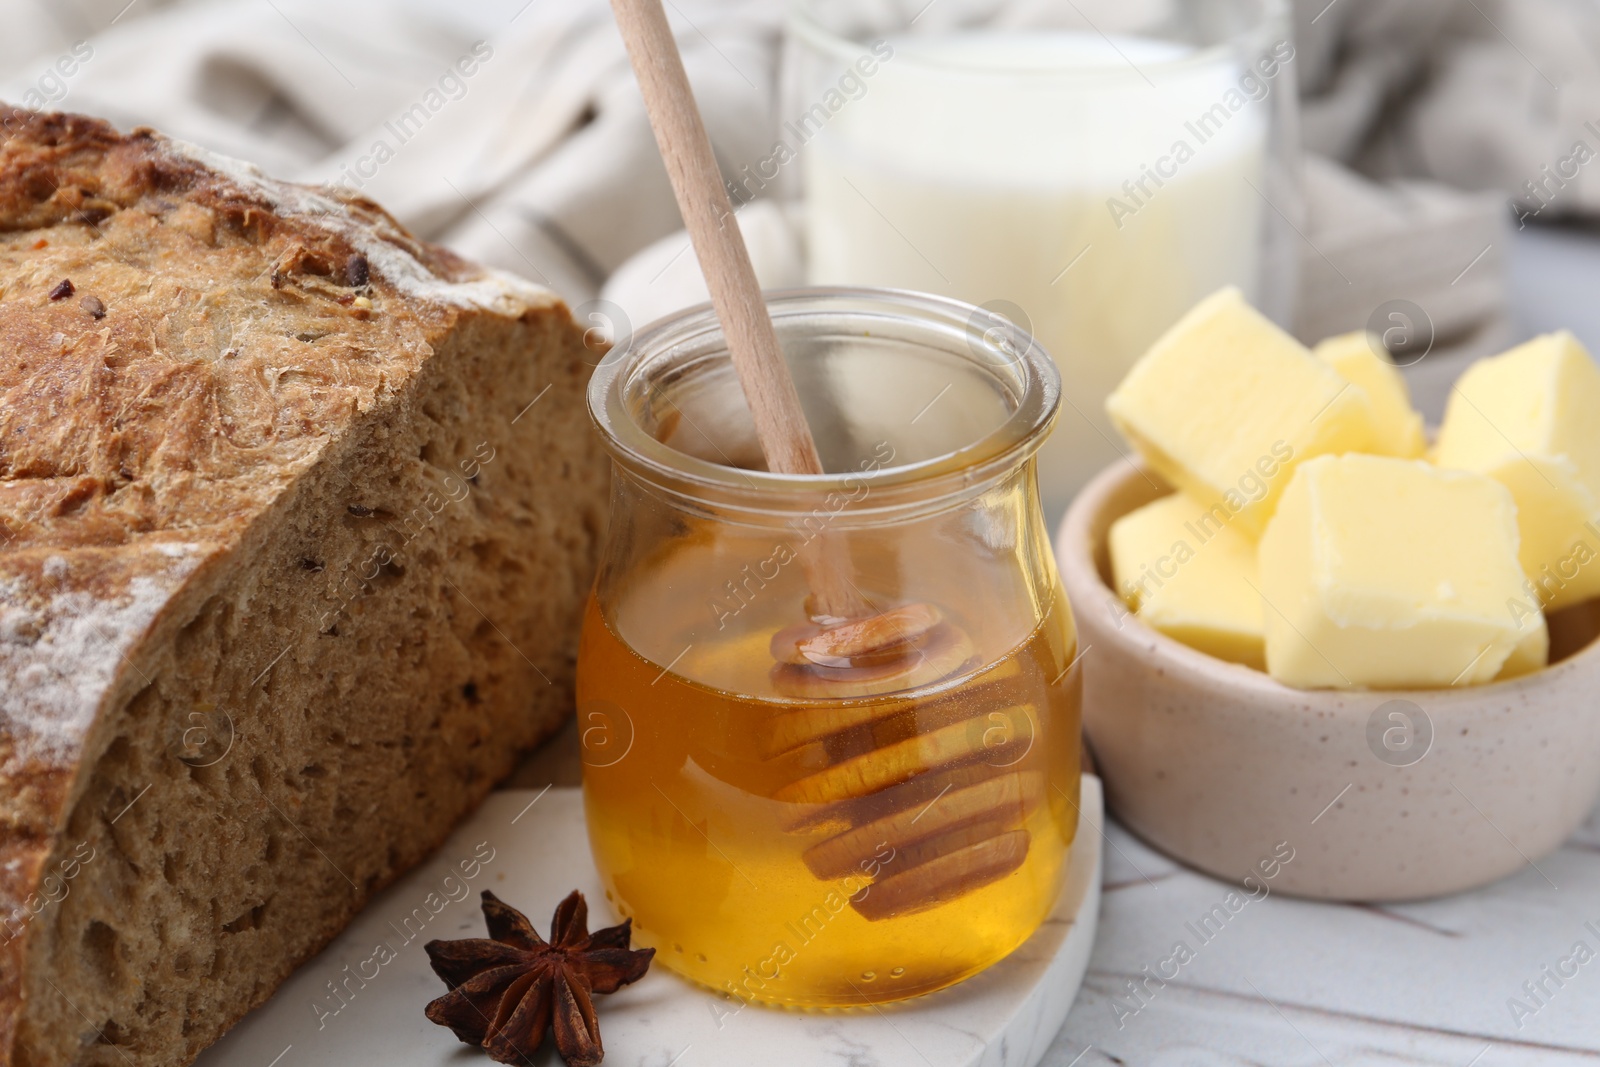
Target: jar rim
[(803, 23), (1000, 344)]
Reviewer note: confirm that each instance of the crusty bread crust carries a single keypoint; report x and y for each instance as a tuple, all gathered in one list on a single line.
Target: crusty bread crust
[(197, 366)]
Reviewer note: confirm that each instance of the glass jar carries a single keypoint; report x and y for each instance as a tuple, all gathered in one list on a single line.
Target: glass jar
[(1089, 169), (814, 805)]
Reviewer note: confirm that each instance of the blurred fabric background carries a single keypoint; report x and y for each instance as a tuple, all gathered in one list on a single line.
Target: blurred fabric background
[(1443, 138)]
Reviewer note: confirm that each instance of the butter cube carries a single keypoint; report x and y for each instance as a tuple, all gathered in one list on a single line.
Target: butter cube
[(1397, 426), (1532, 652), (1530, 419), (1225, 404), (1190, 577), (1387, 573)]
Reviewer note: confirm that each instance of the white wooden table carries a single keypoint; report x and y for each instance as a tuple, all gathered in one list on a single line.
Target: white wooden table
[(1292, 982)]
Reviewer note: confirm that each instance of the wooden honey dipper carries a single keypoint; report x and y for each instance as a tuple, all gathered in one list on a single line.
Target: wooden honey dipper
[(864, 775)]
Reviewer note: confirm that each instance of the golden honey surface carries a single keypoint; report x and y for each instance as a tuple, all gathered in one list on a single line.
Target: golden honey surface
[(830, 851)]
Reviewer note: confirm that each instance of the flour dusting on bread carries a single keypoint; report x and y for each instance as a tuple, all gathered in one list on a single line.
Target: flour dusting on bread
[(491, 290), (64, 650)]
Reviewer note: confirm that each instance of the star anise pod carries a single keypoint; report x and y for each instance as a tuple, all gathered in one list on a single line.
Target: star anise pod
[(508, 989)]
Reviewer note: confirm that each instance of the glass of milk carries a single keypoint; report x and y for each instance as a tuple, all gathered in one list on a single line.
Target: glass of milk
[(1083, 169)]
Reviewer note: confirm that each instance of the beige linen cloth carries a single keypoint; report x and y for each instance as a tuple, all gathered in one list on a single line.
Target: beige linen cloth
[(512, 129)]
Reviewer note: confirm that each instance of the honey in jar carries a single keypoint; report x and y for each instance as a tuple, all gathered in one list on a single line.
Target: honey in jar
[(809, 805)]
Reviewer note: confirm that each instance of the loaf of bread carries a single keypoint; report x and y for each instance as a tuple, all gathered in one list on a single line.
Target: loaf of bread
[(296, 518)]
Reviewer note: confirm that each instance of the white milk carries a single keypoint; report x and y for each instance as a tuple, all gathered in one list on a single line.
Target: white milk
[(948, 178)]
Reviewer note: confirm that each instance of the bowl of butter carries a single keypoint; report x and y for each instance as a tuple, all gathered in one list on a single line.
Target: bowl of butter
[(1309, 630)]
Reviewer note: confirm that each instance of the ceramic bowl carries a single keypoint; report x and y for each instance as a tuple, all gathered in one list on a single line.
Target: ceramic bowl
[(1380, 795)]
